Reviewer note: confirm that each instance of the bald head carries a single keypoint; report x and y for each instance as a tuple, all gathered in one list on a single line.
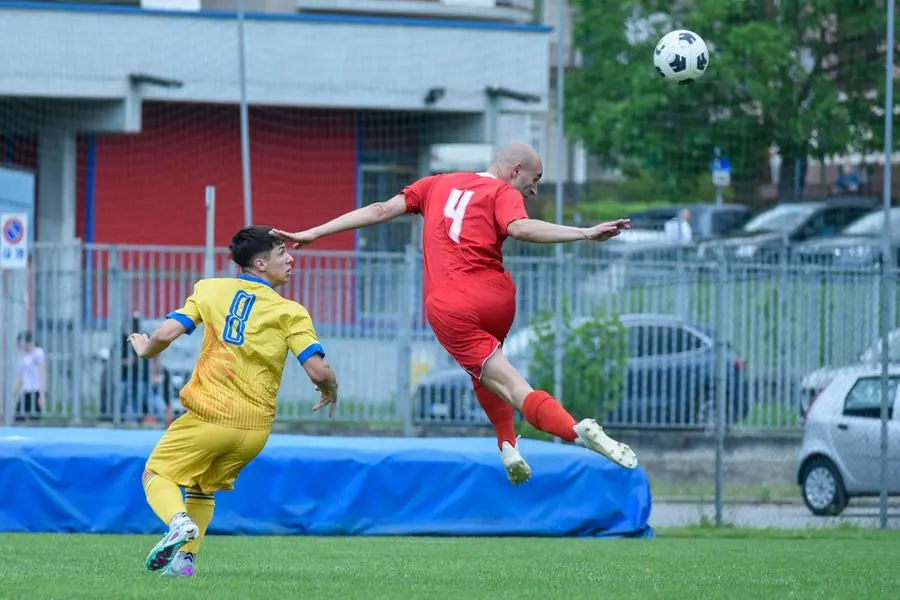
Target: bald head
[(519, 165), (517, 152)]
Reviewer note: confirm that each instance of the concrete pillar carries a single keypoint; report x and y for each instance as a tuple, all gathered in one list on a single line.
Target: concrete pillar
[(57, 161), (56, 260)]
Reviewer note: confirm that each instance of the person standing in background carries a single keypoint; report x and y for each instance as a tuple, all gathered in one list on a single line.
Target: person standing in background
[(678, 230), (31, 378), (140, 381)]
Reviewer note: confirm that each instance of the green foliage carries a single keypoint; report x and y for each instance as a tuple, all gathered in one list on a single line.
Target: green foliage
[(595, 356), (608, 210), (801, 75)]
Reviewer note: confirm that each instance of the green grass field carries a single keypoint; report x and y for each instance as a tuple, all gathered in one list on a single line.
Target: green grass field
[(695, 563)]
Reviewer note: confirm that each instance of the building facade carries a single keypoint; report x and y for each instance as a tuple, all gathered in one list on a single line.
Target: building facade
[(126, 114)]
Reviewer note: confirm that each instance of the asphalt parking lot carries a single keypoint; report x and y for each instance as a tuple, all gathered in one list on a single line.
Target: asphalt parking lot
[(862, 513)]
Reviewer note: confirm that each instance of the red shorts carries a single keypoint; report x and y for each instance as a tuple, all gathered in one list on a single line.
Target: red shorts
[(471, 317)]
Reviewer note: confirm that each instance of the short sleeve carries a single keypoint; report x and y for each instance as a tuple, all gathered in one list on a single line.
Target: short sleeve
[(302, 335), (509, 206), (189, 314), (416, 193), (38, 356)]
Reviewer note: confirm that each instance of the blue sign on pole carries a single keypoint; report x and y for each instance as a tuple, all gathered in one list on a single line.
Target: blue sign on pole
[(13, 241), (721, 172)]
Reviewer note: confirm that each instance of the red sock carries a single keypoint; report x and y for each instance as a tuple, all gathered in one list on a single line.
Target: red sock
[(546, 413), (500, 414)]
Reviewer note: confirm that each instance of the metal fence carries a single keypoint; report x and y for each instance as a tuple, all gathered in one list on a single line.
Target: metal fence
[(786, 325)]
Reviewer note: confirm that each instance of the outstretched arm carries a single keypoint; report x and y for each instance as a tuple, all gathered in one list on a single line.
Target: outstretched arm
[(373, 214), (321, 374), (542, 232), (150, 346)]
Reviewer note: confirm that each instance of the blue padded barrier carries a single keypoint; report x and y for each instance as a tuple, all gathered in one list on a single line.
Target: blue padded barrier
[(88, 480)]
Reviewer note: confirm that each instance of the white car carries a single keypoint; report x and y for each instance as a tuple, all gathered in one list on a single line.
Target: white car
[(840, 455), (813, 382)]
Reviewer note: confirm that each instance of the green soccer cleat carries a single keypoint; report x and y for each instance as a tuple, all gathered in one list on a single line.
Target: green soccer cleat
[(181, 566), (181, 531)]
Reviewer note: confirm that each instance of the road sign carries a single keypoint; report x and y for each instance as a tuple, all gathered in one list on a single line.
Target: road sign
[(721, 172), (13, 241)]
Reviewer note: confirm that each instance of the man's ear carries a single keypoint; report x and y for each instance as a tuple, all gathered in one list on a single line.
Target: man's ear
[(261, 264)]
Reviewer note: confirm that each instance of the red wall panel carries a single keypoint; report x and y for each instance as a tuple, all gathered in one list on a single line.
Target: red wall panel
[(149, 189), (150, 186)]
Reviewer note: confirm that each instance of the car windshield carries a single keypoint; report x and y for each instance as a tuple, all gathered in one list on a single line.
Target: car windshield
[(780, 219), (873, 223), (872, 354), (518, 344)]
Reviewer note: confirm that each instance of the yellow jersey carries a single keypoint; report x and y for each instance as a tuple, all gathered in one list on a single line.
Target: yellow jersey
[(248, 330)]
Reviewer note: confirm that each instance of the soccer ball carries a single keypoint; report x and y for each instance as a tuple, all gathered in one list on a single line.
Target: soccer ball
[(681, 56)]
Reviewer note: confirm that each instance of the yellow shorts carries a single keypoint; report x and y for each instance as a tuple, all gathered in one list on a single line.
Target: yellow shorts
[(198, 455)]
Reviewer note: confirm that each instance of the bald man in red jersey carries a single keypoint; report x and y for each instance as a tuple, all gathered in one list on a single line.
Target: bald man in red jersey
[(470, 298)]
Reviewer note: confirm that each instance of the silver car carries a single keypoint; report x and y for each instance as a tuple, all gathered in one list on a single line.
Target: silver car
[(840, 455), (812, 383)]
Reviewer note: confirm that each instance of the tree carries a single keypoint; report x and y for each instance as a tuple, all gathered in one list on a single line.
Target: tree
[(801, 75), (595, 359)]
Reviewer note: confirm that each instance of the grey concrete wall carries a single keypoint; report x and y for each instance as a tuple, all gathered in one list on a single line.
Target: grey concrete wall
[(291, 60)]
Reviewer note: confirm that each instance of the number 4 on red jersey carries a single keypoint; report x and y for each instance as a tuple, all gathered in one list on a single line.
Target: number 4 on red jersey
[(455, 209)]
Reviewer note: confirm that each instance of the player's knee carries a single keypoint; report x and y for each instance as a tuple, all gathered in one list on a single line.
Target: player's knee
[(146, 477), (499, 376)]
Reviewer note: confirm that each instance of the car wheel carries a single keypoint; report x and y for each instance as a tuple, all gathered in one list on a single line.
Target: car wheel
[(823, 488)]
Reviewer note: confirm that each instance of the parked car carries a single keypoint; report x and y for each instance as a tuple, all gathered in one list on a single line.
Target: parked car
[(707, 220), (858, 244), (670, 379), (768, 235), (813, 383), (840, 455)]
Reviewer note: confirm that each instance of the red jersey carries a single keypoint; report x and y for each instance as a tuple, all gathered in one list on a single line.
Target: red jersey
[(465, 219)]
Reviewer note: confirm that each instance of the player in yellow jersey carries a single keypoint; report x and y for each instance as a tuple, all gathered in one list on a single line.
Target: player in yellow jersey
[(230, 398)]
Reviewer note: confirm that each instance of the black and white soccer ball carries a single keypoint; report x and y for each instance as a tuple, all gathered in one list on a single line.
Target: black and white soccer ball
[(681, 56)]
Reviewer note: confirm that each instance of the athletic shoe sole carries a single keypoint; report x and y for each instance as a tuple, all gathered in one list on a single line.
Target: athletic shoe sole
[(518, 472), (591, 436), (164, 551)]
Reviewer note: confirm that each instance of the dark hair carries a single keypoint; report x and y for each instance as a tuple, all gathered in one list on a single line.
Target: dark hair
[(25, 336), (249, 242)]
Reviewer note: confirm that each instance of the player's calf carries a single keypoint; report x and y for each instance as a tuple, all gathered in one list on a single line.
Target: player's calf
[(539, 408)]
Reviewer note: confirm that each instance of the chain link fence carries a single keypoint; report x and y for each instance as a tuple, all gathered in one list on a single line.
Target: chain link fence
[(787, 346)]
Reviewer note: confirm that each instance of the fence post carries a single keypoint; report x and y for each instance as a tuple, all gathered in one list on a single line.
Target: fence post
[(721, 384), (887, 263), (682, 302), (408, 298), (209, 250), (558, 308), (115, 321), (77, 342), (9, 405)]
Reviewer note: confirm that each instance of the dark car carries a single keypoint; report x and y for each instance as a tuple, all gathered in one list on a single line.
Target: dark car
[(707, 220), (770, 235), (670, 379), (858, 244)]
